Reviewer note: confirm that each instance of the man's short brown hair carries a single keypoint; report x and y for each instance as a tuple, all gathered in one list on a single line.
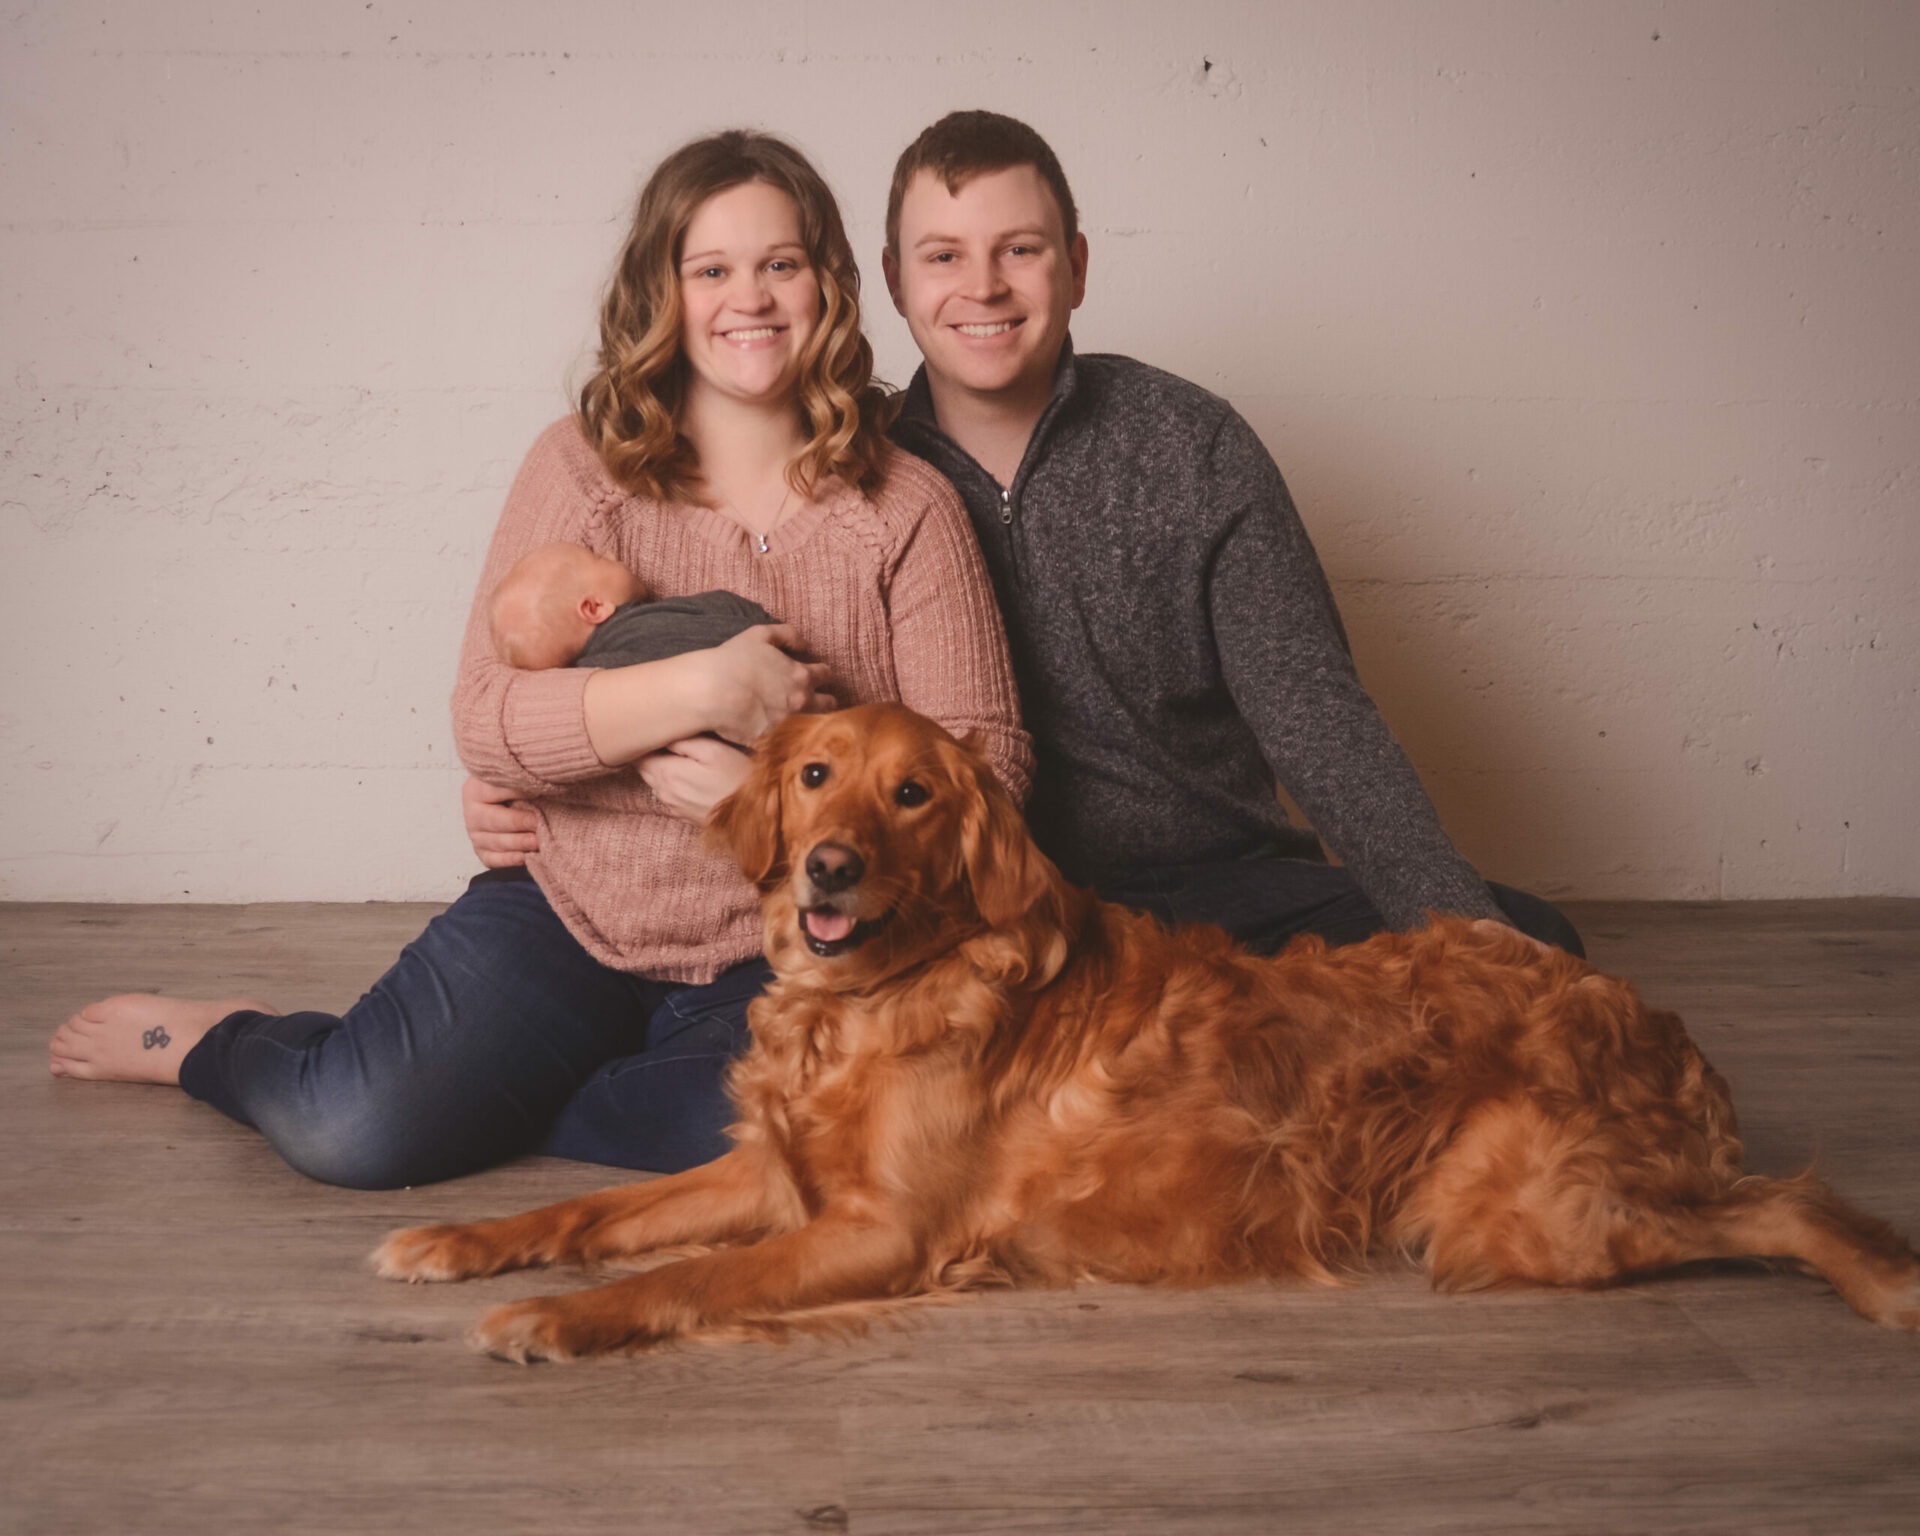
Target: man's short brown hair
[(963, 145)]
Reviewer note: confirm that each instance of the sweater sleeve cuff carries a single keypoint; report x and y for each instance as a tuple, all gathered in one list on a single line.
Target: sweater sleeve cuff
[(1461, 894), (1011, 753), (544, 715)]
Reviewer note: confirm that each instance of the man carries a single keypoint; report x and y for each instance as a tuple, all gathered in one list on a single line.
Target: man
[(1177, 648), (1176, 644)]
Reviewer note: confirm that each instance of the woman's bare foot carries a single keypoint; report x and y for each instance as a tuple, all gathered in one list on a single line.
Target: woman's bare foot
[(137, 1037)]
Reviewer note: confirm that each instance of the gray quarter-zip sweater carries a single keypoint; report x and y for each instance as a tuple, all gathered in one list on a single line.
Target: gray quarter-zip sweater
[(1178, 650)]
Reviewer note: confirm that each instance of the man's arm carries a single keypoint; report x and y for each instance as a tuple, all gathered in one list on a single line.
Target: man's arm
[(502, 827), (1283, 653)]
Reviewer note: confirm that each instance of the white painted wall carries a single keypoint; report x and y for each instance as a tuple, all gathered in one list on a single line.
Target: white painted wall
[(1586, 334)]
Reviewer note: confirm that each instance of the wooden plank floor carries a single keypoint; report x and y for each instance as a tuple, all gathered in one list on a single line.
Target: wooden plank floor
[(189, 1341)]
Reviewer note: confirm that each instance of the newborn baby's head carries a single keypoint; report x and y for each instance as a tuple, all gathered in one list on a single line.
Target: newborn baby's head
[(546, 609)]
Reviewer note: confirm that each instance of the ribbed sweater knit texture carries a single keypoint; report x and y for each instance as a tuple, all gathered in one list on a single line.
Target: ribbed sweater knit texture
[(1178, 649), (886, 587)]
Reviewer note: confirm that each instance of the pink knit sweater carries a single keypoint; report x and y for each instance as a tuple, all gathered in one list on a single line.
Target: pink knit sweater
[(886, 588)]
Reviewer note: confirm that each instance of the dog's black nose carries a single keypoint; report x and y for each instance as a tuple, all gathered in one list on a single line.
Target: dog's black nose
[(833, 867)]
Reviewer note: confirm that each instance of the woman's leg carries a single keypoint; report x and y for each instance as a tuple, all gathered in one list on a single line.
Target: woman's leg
[(666, 1108), (458, 1058), (137, 1037)]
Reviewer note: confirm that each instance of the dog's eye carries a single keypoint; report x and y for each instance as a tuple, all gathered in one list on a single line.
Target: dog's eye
[(911, 794), (814, 775)]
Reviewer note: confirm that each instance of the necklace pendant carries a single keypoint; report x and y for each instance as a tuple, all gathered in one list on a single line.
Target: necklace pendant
[(763, 543)]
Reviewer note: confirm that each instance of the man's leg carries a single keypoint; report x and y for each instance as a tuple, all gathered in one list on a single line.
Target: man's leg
[(1265, 902), (666, 1107), (456, 1059)]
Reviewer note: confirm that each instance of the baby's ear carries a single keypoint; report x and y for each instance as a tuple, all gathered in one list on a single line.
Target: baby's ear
[(596, 610)]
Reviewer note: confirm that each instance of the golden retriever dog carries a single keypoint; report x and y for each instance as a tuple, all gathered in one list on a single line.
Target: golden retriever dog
[(968, 1072)]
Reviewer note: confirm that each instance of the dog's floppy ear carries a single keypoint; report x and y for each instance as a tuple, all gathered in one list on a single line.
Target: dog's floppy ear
[(1006, 873), (747, 822), (1016, 889)]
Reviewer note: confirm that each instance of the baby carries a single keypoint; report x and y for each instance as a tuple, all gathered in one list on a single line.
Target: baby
[(563, 605)]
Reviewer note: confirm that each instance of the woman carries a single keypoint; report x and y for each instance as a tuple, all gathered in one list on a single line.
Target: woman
[(731, 438)]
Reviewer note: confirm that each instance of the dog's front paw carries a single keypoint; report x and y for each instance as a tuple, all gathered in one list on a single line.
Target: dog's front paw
[(444, 1252), (525, 1331)]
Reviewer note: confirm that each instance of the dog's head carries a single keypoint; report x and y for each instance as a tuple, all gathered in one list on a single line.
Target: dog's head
[(878, 841)]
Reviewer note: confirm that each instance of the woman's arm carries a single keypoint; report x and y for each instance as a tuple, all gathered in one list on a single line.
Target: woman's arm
[(949, 646), (688, 775), (950, 661), (691, 777), (949, 655), (532, 731), (738, 690), (526, 730)]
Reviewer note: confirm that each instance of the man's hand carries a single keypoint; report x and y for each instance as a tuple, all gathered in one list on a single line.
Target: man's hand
[(1497, 925), (691, 777), (501, 826)]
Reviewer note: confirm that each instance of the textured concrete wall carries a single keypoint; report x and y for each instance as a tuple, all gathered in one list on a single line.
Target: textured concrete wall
[(1586, 335)]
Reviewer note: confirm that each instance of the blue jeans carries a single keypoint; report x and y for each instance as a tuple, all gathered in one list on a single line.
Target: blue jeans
[(1263, 901), (493, 1034)]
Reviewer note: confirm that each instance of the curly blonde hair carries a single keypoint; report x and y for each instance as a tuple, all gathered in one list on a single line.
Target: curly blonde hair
[(629, 408)]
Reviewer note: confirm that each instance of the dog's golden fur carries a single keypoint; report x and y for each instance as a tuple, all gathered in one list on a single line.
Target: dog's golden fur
[(968, 1072)]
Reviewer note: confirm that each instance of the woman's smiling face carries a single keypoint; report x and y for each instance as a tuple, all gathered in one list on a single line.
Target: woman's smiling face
[(749, 297)]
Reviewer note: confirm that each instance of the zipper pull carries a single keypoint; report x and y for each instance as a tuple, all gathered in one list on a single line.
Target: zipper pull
[(1006, 506)]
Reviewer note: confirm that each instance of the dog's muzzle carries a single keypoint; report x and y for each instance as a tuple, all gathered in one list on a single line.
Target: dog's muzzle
[(833, 871)]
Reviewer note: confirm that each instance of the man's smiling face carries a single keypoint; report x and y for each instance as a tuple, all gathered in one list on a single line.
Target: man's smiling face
[(987, 281)]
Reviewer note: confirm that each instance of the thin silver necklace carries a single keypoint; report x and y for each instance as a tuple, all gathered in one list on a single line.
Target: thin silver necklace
[(759, 537)]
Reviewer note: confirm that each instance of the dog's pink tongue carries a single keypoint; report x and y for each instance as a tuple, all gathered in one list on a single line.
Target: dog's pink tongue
[(828, 927)]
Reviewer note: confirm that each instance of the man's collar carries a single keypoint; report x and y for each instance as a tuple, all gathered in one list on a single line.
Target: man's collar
[(917, 405)]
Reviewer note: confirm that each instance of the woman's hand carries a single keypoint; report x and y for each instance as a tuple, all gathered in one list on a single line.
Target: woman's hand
[(501, 826), (753, 684), (691, 777), (738, 690)]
